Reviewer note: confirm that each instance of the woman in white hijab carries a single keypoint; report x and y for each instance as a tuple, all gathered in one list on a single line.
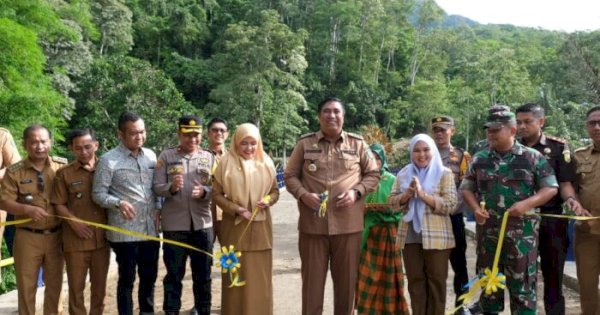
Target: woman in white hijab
[(244, 176), (426, 193)]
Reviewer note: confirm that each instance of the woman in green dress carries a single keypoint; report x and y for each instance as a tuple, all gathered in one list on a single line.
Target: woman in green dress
[(380, 278)]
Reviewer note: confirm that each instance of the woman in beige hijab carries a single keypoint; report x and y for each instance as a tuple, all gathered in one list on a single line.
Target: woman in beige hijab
[(244, 176)]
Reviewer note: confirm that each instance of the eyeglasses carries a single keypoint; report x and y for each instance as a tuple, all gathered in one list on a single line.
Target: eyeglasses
[(592, 123), (40, 181), (217, 130)]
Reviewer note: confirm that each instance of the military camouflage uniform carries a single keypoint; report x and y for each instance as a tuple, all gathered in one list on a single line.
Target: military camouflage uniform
[(501, 181)]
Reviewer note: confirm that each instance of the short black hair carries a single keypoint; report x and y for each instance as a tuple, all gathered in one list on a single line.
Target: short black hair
[(126, 117), (328, 100), (214, 121), (593, 109), (80, 132), (33, 128), (533, 108)]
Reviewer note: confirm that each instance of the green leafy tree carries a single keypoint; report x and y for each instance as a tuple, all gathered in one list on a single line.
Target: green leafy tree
[(117, 83)]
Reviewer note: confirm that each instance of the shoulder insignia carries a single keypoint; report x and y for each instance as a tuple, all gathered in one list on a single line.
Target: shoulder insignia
[(306, 135), (159, 163), (15, 167), (556, 139), (354, 135), (587, 147), (60, 160)]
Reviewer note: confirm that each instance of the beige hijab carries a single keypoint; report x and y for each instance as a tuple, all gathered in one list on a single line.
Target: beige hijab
[(246, 182)]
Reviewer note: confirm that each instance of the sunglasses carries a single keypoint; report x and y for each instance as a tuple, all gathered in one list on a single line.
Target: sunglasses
[(217, 130)]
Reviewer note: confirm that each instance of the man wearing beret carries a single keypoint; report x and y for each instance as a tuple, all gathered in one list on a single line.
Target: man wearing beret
[(456, 159), (183, 178), (508, 177)]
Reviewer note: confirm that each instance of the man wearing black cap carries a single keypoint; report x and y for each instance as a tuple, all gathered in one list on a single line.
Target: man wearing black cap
[(483, 144), (508, 177), (183, 178), (457, 160)]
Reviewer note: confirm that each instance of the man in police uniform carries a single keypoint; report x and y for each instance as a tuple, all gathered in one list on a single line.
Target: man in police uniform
[(340, 163), (25, 193), (554, 239), (8, 155), (457, 160), (587, 233), (217, 135), (85, 248), (183, 178), (513, 178)]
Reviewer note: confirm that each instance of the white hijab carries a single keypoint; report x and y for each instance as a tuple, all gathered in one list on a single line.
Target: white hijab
[(428, 176)]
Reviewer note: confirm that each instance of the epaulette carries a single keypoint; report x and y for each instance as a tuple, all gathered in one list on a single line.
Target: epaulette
[(15, 167), (60, 160), (557, 139), (306, 135), (354, 135), (587, 147)]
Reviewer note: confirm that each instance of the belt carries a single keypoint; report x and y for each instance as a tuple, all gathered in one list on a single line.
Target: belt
[(45, 232)]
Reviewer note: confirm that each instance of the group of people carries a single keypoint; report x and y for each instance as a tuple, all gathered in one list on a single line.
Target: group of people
[(185, 193), (369, 227)]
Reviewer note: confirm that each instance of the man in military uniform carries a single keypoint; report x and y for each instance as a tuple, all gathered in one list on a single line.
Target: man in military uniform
[(587, 233), (513, 178), (340, 163), (554, 239), (217, 135), (457, 160), (85, 248), (483, 144), (8, 155), (25, 193), (183, 179)]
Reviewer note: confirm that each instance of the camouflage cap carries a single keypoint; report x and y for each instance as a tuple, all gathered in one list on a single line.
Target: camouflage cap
[(498, 108), (499, 119), (443, 122), (189, 124)]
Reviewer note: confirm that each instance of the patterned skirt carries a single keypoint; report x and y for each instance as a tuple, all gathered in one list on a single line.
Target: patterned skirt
[(380, 278)]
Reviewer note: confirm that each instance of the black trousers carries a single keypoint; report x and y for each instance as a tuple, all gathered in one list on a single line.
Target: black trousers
[(458, 259), (142, 256), (175, 258), (553, 245)]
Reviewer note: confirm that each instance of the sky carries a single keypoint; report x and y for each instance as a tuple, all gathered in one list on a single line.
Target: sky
[(559, 15)]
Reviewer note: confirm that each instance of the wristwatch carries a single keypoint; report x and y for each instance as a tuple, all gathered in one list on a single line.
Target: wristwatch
[(358, 193)]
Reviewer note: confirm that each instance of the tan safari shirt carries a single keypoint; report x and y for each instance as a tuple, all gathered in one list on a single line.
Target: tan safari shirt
[(21, 180), (317, 165), (587, 161), (73, 189)]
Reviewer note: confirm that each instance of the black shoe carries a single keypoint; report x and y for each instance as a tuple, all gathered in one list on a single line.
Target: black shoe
[(475, 309), (171, 312), (194, 311)]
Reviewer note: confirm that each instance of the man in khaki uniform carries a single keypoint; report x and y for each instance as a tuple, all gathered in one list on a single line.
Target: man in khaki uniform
[(217, 135), (587, 233), (8, 155), (25, 192), (183, 178), (85, 248), (340, 163)]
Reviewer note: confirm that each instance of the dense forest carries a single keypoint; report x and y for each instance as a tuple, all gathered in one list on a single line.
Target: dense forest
[(395, 63)]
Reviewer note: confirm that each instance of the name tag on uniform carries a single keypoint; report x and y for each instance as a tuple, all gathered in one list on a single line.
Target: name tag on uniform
[(349, 152), (26, 181), (77, 183), (314, 151)]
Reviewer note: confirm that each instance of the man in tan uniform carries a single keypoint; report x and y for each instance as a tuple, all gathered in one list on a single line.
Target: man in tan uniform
[(587, 233), (340, 163), (85, 248), (183, 178), (25, 192), (8, 155), (217, 135)]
